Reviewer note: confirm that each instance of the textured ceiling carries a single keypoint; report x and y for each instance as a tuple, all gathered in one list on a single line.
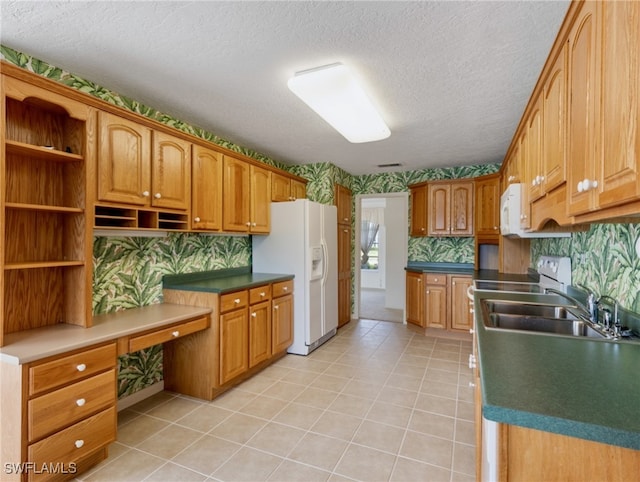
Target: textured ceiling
[(450, 78)]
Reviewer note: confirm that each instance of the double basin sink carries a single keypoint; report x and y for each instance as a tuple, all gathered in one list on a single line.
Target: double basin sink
[(539, 317)]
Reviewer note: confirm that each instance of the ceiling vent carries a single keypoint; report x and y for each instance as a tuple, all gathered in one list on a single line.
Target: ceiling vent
[(392, 164)]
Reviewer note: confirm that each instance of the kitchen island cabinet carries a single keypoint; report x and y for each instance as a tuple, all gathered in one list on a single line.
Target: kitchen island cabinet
[(252, 327)]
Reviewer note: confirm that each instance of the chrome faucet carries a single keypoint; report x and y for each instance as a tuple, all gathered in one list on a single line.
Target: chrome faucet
[(586, 312), (592, 303), (611, 325)]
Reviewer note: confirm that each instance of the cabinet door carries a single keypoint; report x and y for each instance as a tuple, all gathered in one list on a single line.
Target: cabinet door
[(206, 189), (234, 344), (554, 124), (282, 323), (415, 298), (583, 103), (343, 203), (461, 217), (487, 206), (620, 118), (260, 211), (280, 188), (419, 210), (436, 306), (461, 315), (171, 172), (298, 189), (525, 205), (124, 161), (259, 333), (344, 274), (534, 156), (439, 209), (235, 205)]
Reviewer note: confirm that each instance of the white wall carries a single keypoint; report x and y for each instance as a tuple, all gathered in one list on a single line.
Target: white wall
[(395, 217)]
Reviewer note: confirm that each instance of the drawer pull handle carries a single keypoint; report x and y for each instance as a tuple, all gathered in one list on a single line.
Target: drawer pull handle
[(79, 443), (80, 402), (81, 367), (175, 334)]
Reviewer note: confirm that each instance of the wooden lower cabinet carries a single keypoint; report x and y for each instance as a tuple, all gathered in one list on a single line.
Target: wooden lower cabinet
[(237, 345), (438, 300)]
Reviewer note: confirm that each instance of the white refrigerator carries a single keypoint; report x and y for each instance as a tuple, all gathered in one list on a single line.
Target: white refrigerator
[(304, 242)]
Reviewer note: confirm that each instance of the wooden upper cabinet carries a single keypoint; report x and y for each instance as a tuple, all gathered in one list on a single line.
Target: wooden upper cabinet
[(525, 206), (450, 208), (343, 203), (124, 157), (511, 173), (260, 206), (487, 206), (206, 189), (619, 166), (535, 168), (236, 203), (583, 88), (284, 188), (419, 195), (554, 123), (170, 172), (298, 189)]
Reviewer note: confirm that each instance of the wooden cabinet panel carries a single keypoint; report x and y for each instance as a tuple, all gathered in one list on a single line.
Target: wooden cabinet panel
[(415, 298), (282, 288), (461, 315), (343, 203), (259, 333), (450, 207), (67, 369), (344, 274), (487, 206), (124, 157), (170, 172), (525, 175), (436, 306), (236, 199), (439, 209), (583, 109), (462, 209), (535, 174), (619, 165), (57, 409), (280, 188), (344, 300), (259, 294), (298, 189), (235, 300), (234, 344), (74, 443), (206, 189), (260, 208), (419, 195), (282, 324)]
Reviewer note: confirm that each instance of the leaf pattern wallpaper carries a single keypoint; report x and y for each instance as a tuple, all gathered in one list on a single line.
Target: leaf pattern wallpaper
[(128, 270)]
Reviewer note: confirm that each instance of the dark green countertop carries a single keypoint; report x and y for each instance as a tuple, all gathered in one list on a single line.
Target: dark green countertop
[(221, 281), (453, 268), (579, 387)]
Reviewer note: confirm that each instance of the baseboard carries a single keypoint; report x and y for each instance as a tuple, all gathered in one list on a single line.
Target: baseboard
[(140, 395)]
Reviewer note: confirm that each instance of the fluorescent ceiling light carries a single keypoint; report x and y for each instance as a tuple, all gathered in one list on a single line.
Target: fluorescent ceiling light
[(335, 95)]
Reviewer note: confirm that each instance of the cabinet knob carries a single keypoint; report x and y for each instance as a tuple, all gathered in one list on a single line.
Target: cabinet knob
[(419, 280), (254, 315), (78, 443), (471, 330), (435, 280), (453, 283), (422, 229), (175, 334), (262, 294), (253, 225), (285, 288), (81, 367), (276, 307), (428, 291), (345, 230), (511, 178), (80, 402), (471, 310), (157, 195), (237, 301), (472, 385), (145, 193), (495, 228), (346, 219), (196, 219), (587, 184), (248, 223)]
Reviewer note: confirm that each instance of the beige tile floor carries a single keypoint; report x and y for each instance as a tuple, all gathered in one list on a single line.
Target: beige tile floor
[(377, 402)]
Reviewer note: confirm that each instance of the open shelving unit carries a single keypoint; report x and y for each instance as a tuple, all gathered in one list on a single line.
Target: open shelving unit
[(46, 262)]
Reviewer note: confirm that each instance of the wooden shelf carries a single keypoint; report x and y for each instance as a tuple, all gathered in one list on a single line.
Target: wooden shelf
[(42, 264), (43, 207), (116, 217), (40, 152)]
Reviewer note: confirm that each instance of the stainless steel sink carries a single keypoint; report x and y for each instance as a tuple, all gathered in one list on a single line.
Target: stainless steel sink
[(557, 326), (529, 309)]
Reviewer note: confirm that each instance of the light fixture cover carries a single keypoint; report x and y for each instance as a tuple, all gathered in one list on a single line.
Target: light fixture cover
[(337, 97)]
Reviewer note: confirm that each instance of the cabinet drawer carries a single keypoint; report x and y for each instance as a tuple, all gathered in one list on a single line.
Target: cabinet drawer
[(436, 279), (231, 301), (259, 294), (70, 368), (74, 443), (67, 405), (167, 334), (282, 288)]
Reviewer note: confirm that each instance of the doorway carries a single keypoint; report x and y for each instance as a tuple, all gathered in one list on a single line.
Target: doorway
[(381, 256)]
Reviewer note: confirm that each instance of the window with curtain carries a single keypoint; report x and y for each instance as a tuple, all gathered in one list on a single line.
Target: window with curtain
[(372, 218)]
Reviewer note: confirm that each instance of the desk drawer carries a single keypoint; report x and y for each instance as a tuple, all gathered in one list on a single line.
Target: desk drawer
[(73, 443), (167, 334), (436, 279), (259, 294), (67, 405), (282, 288), (70, 368), (233, 301)]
